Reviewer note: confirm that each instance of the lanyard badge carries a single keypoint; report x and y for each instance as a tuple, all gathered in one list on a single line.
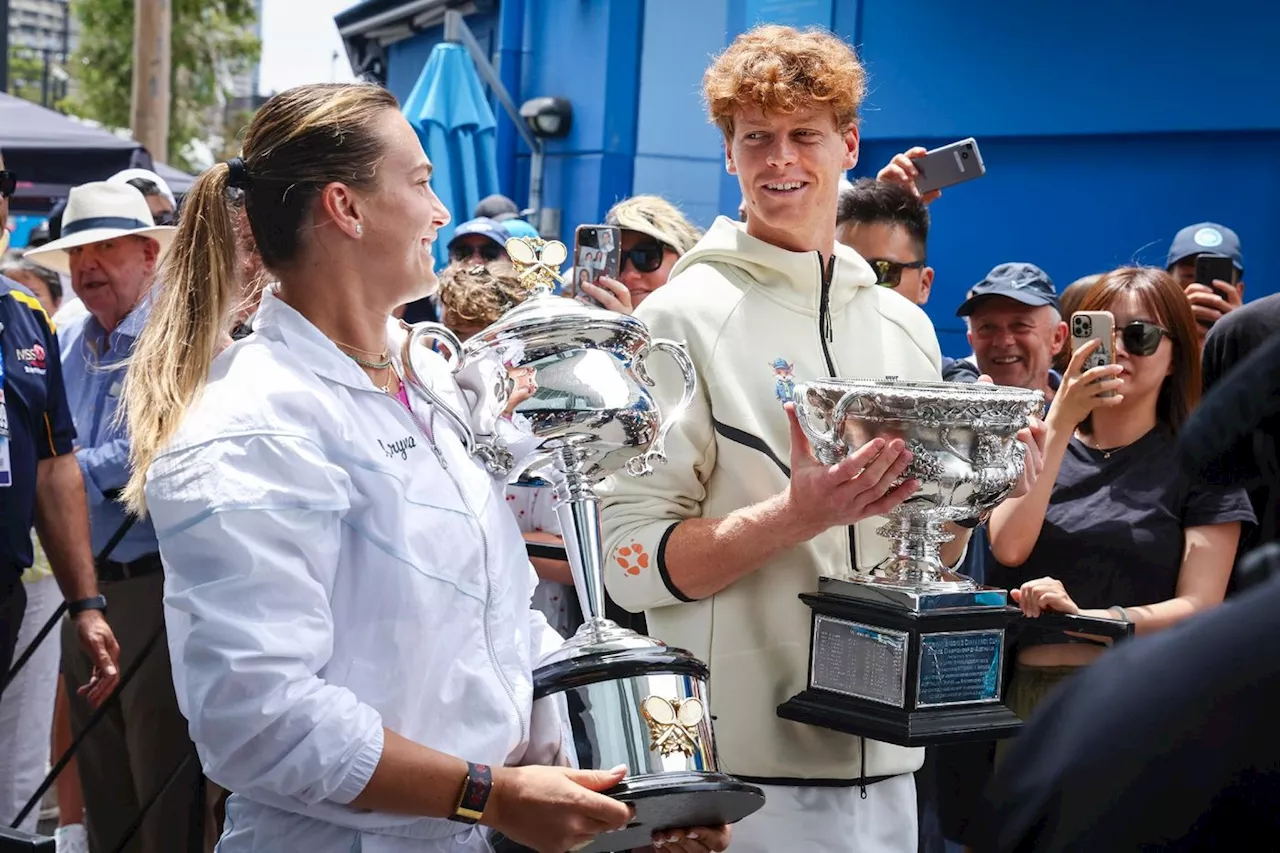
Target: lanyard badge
[(6, 469)]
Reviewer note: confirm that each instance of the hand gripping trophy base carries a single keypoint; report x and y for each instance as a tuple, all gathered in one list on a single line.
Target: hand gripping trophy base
[(623, 698)]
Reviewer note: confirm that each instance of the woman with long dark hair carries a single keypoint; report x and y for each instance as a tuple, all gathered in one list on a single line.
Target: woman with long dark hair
[(1113, 527)]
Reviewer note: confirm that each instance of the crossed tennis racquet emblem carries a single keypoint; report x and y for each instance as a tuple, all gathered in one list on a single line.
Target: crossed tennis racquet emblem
[(673, 724)]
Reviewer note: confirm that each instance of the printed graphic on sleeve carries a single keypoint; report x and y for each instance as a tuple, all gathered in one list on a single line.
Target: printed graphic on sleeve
[(632, 558), (784, 383)]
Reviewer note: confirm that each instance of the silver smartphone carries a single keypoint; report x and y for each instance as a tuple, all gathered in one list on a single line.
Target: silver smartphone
[(1095, 326), (949, 165)]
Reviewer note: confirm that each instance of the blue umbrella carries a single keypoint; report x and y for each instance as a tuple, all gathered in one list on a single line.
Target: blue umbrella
[(451, 114)]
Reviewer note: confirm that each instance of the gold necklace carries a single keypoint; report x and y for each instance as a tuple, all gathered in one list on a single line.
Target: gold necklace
[(383, 358), (1088, 442)]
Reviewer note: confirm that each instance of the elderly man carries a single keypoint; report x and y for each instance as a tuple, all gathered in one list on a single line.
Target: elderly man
[(1015, 328), (41, 483), (110, 245)]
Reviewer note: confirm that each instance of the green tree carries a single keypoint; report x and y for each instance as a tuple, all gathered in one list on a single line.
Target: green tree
[(26, 74), (212, 41)]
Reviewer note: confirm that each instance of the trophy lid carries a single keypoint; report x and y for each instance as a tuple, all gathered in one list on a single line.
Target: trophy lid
[(537, 262)]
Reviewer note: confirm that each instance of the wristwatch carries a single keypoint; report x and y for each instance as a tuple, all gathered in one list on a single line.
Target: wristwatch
[(98, 602), (474, 795)]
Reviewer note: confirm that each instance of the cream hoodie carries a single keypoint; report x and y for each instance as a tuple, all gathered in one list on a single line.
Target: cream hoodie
[(743, 306)]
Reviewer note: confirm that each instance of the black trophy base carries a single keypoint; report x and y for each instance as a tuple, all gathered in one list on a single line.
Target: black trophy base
[(904, 667), (927, 727), (664, 802)]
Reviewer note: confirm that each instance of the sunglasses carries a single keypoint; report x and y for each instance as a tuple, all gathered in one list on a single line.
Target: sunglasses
[(645, 256), (166, 217), (8, 183), (488, 252), (889, 273), (1142, 338)]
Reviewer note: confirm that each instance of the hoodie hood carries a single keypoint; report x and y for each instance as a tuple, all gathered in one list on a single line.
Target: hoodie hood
[(791, 276)]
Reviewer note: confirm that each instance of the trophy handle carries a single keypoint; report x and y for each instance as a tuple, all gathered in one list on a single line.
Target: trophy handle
[(827, 447), (418, 331), (415, 333), (642, 465)]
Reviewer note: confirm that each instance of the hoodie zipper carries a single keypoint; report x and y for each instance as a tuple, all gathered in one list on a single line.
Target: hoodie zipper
[(826, 335), (428, 432)]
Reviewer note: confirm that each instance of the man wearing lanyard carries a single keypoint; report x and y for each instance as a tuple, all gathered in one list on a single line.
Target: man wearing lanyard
[(38, 483), (111, 246)]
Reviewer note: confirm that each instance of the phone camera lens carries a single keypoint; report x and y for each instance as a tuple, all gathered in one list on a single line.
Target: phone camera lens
[(964, 155)]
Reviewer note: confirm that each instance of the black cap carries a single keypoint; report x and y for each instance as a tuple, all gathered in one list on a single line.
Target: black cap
[(496, 206), (1025, 283), (1205, 237)]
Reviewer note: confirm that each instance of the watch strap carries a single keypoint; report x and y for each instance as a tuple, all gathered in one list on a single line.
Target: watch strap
[(474, 795), (97, 602)]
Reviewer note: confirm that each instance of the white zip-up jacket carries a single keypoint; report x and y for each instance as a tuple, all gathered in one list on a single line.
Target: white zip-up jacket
[(334, 565), (757, 318)]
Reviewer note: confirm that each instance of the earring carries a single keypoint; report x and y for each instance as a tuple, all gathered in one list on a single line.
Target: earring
[(359, 229)]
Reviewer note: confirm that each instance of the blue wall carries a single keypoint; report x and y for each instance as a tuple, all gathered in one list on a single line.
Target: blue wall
[(1104, 126)]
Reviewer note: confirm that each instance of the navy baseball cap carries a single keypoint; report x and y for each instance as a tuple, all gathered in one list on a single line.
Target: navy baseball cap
[(1025, 283), (485, 227), (1205, 237)]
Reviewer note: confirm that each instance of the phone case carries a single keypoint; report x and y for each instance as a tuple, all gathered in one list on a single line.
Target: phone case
[(597, 251), (1211, 268), (949, 165), (1094, 325)]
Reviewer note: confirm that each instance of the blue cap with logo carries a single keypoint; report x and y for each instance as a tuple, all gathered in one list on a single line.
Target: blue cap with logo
[(519, 228), (485, 227), (1021, 282), (1205, 237)]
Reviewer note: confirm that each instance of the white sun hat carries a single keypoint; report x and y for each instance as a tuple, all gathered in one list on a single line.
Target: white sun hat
[(146, 175), (96, 212)]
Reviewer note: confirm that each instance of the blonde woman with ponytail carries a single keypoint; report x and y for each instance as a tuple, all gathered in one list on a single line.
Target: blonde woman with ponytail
[(347, 596)]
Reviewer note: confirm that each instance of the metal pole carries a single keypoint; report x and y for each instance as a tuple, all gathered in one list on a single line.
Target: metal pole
[(535, 189), (4, 45), (44, 78), (456, 31)]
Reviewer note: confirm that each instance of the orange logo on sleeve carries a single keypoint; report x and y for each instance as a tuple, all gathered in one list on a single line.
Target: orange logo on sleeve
[(632, 558)]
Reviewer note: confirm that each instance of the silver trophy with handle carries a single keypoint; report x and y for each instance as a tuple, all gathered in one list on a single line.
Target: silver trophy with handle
[(910, 652), (574, 376)]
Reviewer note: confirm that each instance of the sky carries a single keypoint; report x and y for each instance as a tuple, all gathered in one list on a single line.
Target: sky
[(298, 44)]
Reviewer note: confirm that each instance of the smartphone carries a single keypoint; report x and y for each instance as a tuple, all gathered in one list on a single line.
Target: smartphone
[(1211, 268), (1095, 325), (949, 165), (597, 251)]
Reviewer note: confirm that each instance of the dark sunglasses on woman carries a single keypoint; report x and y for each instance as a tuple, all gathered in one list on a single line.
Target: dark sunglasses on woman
[(645, 256), (488, 252), (8, 183), (1142, 338), (889, 273)]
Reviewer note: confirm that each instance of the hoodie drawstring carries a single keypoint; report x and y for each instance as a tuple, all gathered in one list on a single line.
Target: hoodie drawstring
[(862, 776), (825, 326)]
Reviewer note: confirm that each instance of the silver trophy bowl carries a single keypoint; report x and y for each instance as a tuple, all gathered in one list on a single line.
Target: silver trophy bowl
[(574, 377), (966, 457)]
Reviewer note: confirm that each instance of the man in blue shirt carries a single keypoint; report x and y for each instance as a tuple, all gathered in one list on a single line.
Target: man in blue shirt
[(39, 482), (111, 246)]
